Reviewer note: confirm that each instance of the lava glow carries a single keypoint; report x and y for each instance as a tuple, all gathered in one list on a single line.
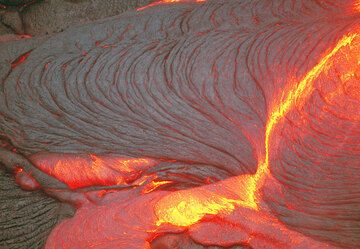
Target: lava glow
[(345, 94), (178, 1), (187, 207), (87, 170), (357, 6), (20, 59), (169, 1), (191, 207), (154, 185)]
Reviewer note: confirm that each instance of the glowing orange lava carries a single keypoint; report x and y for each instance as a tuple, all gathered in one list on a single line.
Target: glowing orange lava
[(343, 95), (20, 59), (87, 170), (154, 185), (178, 1), (187, 207), (357, 6), (169, 1)]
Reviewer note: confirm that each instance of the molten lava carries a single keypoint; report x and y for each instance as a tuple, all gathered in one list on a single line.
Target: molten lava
[(114, 195), (179, 1), (20, 59), (154, 184), (357, 6), (187, 207), (79, 171), (169, 1)]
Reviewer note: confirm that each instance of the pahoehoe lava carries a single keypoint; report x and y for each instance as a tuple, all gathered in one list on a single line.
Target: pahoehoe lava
[(220, 123)]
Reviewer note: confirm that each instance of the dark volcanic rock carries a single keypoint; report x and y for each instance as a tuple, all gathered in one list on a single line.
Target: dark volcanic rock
[(26, 217), (52, 16), (12, 20)]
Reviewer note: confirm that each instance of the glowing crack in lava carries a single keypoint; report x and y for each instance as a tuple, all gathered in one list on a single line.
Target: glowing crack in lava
[(169, 2), (79, 171), (20, 60), (187, 207), (178, 1)]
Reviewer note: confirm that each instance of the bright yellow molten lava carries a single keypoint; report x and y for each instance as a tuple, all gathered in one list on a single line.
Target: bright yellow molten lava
[(187, 207), (357, 6), (179, 1), (296, 96), (191, 207)]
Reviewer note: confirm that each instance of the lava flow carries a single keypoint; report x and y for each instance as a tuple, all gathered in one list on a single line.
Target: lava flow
[(167, 2), (20, 59), (234, 206), (187, 207), (79, 171), (357, 6)]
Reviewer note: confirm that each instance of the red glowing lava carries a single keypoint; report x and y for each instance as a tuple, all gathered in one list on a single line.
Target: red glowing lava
[(169, 2), (187, 207), (224, 213), (129, 202), (357, 6), (88, 170), (20, 59)]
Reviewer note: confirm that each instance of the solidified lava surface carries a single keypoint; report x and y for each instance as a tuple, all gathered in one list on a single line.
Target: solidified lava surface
[(220, 123)]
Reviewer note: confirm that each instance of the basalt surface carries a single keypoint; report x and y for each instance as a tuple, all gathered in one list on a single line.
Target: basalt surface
[(42, 17), (192, 124)]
